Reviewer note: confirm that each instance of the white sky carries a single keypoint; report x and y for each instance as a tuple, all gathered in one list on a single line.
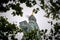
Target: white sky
[(41, 20)]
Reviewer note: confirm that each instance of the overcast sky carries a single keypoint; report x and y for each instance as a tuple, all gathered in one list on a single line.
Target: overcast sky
[(41, 20)]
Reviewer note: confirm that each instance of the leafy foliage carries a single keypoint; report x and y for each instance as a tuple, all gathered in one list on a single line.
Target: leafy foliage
[(7, 28), (55, 33), (53, 8), (32, 35), (15, 6), (36, 10)]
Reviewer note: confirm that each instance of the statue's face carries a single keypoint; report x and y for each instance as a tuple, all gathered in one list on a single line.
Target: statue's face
[(32, 18)]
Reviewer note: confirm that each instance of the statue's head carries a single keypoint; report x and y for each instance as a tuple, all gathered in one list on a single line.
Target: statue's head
[(32, 17)]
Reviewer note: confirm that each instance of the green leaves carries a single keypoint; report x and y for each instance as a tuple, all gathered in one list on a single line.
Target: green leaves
[(42, 2), (17, 8), (28, 4), (33, 2), (36, 10), (53, 8), (4, 9), (22, 1), (56, 27), (31, 35), (7, 28)]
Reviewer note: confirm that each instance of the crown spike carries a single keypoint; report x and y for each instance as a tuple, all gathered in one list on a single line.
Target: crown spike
[(32, 13)]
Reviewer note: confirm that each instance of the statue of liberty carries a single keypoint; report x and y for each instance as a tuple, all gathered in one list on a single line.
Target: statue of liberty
[(31, 29)]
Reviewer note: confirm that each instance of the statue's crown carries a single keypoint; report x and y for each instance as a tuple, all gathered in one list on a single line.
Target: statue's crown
[(32, 13), (32, 17)]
